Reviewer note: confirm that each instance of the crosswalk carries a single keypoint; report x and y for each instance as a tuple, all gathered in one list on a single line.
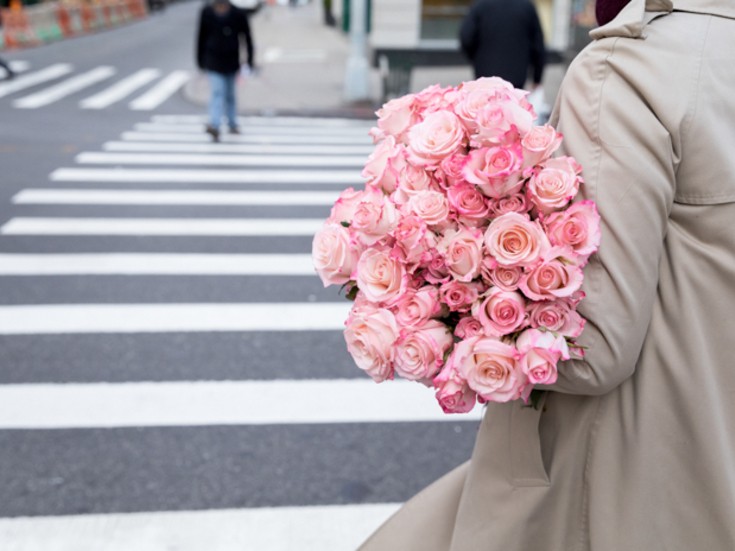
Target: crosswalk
[(144, 89), (134, 416)]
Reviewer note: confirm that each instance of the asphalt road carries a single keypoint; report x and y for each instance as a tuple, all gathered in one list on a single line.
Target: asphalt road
[(60, 457)]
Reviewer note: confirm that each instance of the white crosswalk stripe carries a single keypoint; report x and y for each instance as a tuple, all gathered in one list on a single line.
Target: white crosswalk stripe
[(275, 402), (127, 361), (155, 264), (162, 197), (244, 149), (65, 88), (165, 86), (204, 176), (212, 159), (161, 92), (120, 90), (32, 79), (312, 528), (161, 226), (274, 139)]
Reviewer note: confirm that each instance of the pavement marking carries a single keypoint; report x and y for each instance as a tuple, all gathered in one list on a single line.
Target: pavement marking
[(160, 92), (162, 226), (281, 55), (213, 159), (271, 121), (156, 264), (120, 90), (170, 318), (251, 149), (204, 176), (204, 403), (264, 128), (32, 79), (19, 66), (65, 88), (163, 197), (254, 139), (310, 528)]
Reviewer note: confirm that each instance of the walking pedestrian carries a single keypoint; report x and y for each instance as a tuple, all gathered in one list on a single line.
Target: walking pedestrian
[(634, 446), (221, 27), (503, 38)]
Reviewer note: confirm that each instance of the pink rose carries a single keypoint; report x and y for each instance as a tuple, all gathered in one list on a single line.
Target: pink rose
[(539, 144), (431, 206), (414, 239), (434, 98), (419, 354), (504, 277), (417, 307), (452, 391), (577, 227), (513, 203), (438, 136), (502, 121), (490, 367), (371, 335), (413, 180), (556, 315), (380, 276), (468, 203), (496, 171), (396, 117), (436, 269), (375, 216), (344, 208), (501, 312), (514, 240), (450, 170), (335, 258), (462, 251), (554, 277), (459, 296), (468, 327), (555, 184), (383, 165), (540, 353)]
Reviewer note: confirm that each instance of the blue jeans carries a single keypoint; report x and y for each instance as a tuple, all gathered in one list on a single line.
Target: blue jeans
[(222, 96)]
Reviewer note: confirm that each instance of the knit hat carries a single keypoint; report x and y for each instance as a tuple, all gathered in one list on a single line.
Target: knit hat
[(607, 10)]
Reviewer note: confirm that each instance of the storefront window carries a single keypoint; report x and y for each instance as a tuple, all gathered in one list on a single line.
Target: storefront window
[(440, 19)]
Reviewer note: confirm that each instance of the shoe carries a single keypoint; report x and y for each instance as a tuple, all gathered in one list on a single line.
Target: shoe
[(212, 131), (234, 130)]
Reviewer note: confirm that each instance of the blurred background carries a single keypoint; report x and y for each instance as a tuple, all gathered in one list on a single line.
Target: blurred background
[(172, 372)]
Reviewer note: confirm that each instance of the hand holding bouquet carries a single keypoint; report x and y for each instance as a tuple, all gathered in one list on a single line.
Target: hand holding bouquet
[(464, 253)]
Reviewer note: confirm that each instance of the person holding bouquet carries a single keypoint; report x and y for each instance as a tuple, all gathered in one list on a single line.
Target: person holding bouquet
[(633, 446)]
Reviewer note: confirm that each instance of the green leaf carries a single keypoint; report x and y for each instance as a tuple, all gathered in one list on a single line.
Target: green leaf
[(345, 223)]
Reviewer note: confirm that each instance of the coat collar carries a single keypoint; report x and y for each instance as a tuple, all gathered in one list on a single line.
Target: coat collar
[(634, 17)]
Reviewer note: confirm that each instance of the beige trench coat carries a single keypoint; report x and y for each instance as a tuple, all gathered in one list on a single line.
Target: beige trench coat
[(635, 447)]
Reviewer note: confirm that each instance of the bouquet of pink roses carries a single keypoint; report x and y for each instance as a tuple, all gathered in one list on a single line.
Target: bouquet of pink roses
[(464, 253)]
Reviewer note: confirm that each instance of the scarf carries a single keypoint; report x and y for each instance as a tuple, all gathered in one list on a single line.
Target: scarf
[(606, 10)]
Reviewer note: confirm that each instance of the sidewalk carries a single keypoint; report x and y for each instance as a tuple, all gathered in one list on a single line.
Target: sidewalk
[(302, 65)]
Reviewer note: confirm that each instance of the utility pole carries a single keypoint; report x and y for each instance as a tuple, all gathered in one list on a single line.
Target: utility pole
[(357, 84)]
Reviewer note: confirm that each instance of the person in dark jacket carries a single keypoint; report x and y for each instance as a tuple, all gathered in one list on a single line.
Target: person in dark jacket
[(221, 26), (503, 38)]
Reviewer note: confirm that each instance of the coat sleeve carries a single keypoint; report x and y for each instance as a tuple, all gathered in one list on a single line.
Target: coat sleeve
[(468, 33), (247, 35), (201, 40), (628, 166)]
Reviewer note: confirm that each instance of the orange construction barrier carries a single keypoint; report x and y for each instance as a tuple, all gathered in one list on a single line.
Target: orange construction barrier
[(17, 28)]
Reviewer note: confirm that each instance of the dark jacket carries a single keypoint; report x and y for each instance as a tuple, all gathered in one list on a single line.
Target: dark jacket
[(218, 46), (503, 38)]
